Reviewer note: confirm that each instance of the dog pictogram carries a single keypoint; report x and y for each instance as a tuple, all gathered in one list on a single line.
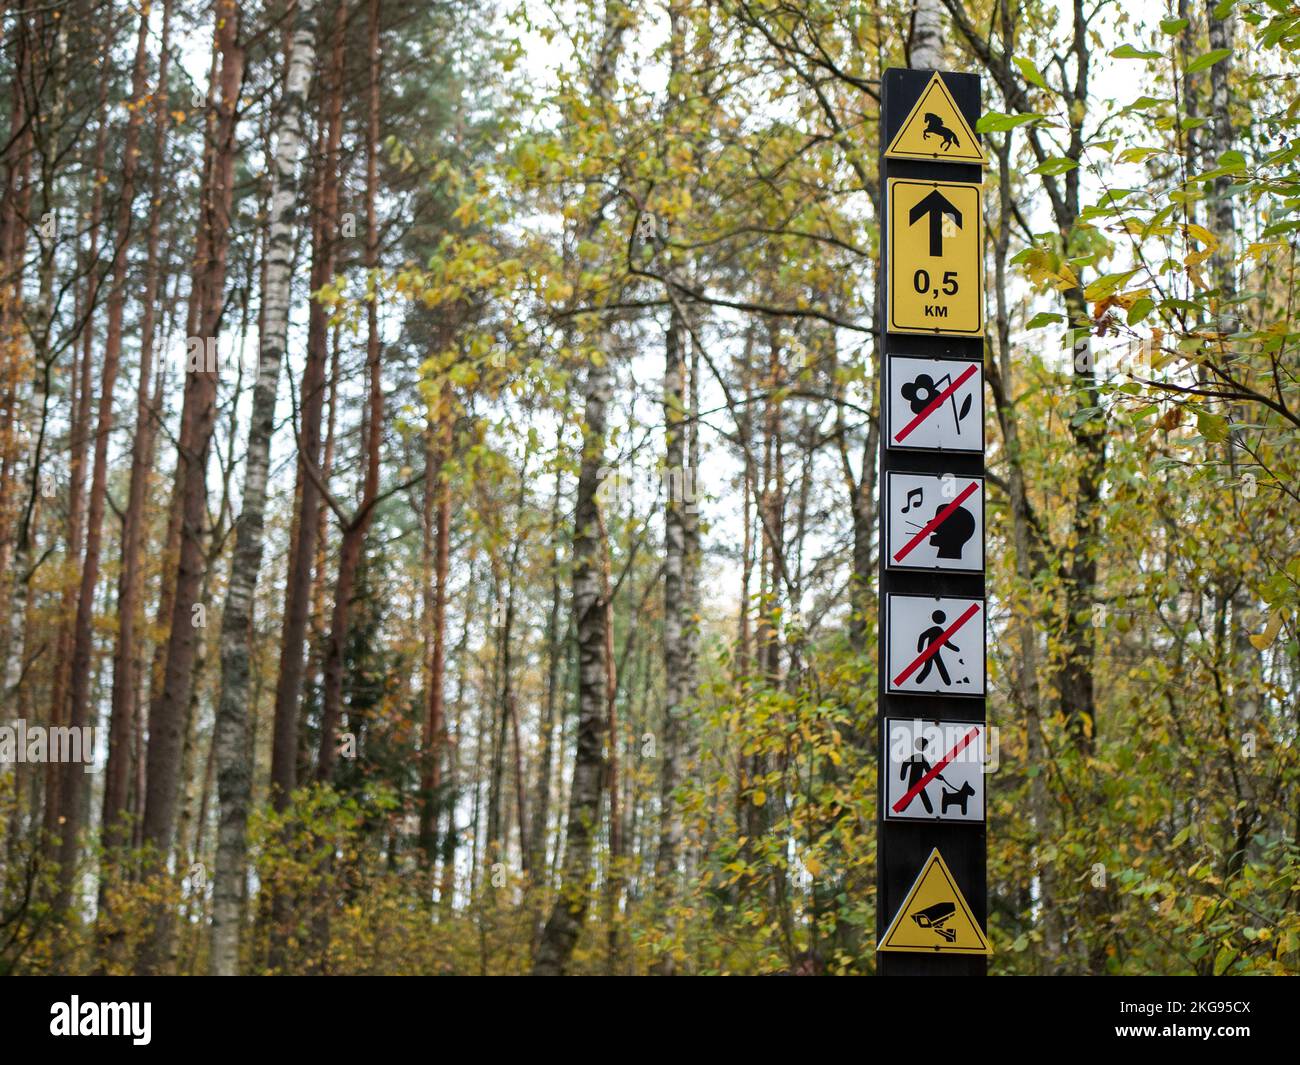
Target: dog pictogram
[(957, 798)]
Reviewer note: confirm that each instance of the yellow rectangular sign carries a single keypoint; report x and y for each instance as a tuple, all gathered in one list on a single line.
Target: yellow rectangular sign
[(936, 261)]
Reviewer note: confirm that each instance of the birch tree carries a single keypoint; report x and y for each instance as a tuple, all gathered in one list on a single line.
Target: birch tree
[(565, 923), (232, 752)]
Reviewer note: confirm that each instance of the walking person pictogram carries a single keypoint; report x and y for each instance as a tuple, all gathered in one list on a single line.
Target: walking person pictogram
[(926, 639)]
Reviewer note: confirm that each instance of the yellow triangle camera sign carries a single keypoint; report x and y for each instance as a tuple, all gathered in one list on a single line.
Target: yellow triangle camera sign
[(936, 130), (934, 918)]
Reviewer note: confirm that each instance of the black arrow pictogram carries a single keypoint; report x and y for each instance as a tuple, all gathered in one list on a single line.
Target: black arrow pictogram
[(935, 205)]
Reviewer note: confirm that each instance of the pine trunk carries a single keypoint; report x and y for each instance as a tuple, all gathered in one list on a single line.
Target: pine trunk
[(198, 412)]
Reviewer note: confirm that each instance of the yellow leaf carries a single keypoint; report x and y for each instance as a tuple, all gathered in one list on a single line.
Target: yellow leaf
[(1261, 640), (759, 797)]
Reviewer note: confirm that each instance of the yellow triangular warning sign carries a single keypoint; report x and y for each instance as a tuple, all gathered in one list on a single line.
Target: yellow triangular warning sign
[(936, 129), (934, 918)]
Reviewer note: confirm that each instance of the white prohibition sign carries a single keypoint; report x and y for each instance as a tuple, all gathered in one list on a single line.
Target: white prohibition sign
[(934, 770), (936, 521), (935, 645), (935, 405)]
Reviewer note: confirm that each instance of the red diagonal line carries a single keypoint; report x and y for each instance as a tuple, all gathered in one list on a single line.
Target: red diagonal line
[(937, 520), (937, 402), (935, 770), (933, 649)]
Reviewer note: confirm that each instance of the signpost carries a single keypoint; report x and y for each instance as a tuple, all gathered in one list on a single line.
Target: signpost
[(932, 904)]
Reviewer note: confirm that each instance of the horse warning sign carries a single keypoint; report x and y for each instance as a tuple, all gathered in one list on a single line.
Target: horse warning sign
[(935, 129), (934, 917), (934, 770)]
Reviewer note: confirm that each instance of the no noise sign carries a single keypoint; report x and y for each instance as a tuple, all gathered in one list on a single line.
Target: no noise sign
[(935, 645), (934, 405), (935, 521), (936, 264), (935, 770)]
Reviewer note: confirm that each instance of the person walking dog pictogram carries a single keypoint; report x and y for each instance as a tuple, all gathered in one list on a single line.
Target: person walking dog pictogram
[(914, 770)]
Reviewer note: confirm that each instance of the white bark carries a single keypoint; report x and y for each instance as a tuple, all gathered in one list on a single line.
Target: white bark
[(234, 768), (927, 35), (670, 818), (565, 924), (570, 909), (1221, 139)]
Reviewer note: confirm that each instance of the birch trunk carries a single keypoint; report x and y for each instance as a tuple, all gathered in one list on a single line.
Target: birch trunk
[(554, 649), (230, 742), (438, 489), (927, 35), (560, 935), (1221, 139), (565, 923), (670, 820)]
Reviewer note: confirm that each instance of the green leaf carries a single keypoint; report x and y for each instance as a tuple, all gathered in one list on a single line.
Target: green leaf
[(1057, 164), (1127, 51), (996, 122), (1214, 427), (1142, 307), (1106, 285), (1204, 62), (1044, 318), (1138, 155), (1172, 26), (1030, 72)]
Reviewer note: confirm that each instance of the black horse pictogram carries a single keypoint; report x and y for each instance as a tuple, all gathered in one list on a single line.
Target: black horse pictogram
[(934, 127)]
